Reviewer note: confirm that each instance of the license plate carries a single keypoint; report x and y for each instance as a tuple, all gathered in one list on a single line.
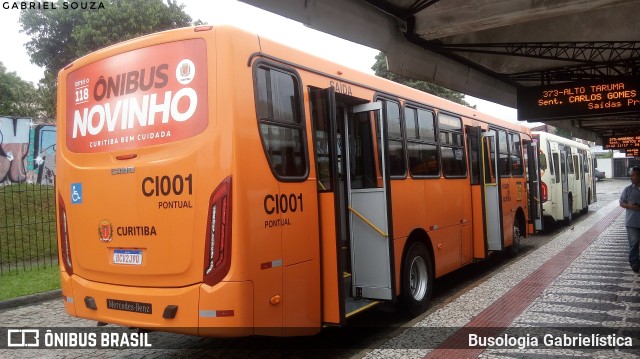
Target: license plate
[(127, 257)]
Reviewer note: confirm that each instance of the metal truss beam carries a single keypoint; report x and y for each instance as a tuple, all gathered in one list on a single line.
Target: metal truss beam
[(579, 72), (582, 52)]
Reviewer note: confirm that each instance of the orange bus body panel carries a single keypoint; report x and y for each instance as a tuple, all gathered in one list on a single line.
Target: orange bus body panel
[(330, 284), (283, 274), (479, 245)]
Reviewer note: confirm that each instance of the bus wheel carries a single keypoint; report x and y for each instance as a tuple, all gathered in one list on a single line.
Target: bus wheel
[(417, 279), (514, 249), (568, 220)]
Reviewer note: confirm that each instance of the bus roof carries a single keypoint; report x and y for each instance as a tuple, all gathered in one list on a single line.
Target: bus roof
[(346, 74), (307, 62), (559, 139)]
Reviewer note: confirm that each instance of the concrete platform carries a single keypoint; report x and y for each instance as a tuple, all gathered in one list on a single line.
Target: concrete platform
[(576, 285)]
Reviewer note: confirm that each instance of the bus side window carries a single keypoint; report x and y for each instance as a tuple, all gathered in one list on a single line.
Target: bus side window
[(551, 159), (570, 162), (556, 165), (516, 155), (503, 149), (543, 161), (585, 162), (576, 165), (278, 104), (395, 139), (473, 148), (321, 140), (489, 145), (422, 149), (452, 153)]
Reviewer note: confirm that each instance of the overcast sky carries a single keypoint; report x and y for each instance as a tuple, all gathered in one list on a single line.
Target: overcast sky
[(14, 57)]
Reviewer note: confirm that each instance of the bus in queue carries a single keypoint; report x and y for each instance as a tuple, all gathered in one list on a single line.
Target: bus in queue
[(566, 177), (218, 183)]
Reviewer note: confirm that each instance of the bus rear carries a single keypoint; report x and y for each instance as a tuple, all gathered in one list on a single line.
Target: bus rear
[(144, 187)]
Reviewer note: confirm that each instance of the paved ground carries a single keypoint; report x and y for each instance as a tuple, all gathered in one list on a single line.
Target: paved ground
[(458, 298), (477, 307), (597, 290)]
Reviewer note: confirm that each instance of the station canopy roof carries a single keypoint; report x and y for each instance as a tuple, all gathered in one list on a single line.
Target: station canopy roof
[(491, 48)]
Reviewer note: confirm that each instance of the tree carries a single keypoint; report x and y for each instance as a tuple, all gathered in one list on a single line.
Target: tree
[(17, 97), (380, 68), (58, 37)]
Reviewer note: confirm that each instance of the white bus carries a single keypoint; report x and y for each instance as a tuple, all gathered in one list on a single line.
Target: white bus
[(567, 184)]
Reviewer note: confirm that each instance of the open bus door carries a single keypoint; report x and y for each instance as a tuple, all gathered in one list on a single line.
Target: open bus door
[(491, 189), (593, 165), (583, 180), (564, 157), (534, 183), (368, 202), (354, 200)]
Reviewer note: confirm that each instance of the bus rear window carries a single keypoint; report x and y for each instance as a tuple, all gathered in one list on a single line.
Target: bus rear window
[(164, 98), (278, 104), (543, 161)]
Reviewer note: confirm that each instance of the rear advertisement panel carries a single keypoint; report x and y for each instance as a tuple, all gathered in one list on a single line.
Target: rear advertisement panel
[(140, 98)]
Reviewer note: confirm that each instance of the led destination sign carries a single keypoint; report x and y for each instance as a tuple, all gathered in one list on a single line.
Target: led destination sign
[(579, 99), (620, 142), (633, 152)]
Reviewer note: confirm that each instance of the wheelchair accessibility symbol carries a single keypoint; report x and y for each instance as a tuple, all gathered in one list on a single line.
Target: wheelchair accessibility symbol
[(76, 193)]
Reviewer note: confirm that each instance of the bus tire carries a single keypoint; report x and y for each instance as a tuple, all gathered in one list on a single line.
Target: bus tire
[(568, 220), (417, 279), (514, 248)]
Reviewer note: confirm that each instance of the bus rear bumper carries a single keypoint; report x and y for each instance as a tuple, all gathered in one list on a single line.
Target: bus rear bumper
[(223, 310)]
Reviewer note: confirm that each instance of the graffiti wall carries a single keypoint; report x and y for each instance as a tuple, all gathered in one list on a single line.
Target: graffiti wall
[(27, 151)]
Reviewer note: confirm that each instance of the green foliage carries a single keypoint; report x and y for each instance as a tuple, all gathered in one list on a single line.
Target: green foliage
[(46, 95), (380, 68), (608, 154), (58, 37), (18, 284), (123, 20), (17, 97), (563, 133)]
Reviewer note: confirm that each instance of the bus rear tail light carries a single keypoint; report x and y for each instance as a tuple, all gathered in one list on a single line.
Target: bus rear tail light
[(217, 253), (65, 246), (545, 195)]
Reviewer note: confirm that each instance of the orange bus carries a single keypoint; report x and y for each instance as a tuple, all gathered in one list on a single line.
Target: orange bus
[(217, 183)]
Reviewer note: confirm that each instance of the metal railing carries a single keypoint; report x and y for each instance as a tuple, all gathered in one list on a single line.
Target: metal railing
[(27, 227)]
